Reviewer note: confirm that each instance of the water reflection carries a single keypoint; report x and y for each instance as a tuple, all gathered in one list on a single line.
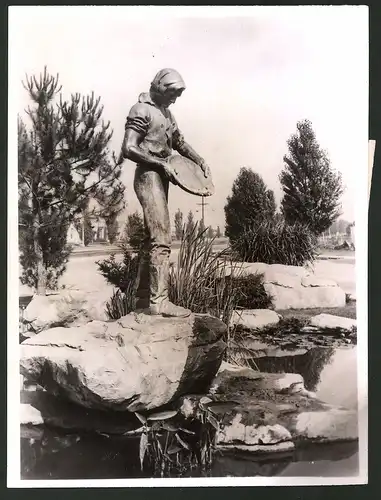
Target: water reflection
[(324, 370), (309, 365), (95, 457)]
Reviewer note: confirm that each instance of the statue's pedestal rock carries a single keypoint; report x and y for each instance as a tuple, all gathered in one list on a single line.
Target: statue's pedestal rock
[(136, 363)]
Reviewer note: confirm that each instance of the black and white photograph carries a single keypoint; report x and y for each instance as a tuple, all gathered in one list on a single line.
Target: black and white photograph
[(187, 260)]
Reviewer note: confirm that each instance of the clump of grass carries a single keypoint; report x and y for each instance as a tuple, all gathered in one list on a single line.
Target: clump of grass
[(275, 242), (200, 280), (121, 303)]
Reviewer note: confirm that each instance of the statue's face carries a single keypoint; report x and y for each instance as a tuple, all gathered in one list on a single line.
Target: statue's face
[(170, 96)]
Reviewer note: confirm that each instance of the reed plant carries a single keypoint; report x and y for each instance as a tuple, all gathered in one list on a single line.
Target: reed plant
[(200, 280)]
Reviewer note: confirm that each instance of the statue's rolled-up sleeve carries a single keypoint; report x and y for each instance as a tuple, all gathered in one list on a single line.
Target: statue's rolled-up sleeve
[(138, 119)]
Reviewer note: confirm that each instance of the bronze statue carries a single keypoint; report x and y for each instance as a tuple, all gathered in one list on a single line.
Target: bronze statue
[(151, 135)]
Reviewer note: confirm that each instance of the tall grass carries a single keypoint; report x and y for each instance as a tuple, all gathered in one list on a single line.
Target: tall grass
[(121, 303), (199, 281), (275, 242)]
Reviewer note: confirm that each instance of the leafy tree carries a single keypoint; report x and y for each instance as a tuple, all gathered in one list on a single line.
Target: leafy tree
[(179, 224), (218, 232), (134, 231), (63, 161), (250, 202), (312, 189)]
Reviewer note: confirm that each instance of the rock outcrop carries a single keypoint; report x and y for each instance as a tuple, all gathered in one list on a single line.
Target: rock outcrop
[(136, 363), (268, 412), (66, 307), (292, 287), (330, 321), (255, 318)]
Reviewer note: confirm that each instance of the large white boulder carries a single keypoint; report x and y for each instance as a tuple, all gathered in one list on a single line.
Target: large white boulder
[(301, 297), (47, 311), (254, 318), (137, 363), (67, 307), (330, 321), (291, 287)]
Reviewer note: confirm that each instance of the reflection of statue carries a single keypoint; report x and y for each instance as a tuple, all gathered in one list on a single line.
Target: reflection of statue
[(151, 133)]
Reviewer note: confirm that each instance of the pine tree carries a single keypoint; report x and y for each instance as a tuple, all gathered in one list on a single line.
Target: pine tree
[(218, 232), (210, 232), (179, 223), (312, 189), (63, 161), (250, 202)]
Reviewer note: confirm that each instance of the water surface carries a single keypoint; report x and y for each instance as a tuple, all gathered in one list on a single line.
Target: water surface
[(331, 373)]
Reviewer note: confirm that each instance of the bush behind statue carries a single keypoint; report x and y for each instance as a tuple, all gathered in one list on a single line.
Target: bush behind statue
[(276, 242)]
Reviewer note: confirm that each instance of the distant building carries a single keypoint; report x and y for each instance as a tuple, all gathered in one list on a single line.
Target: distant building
[(99, 227), (73, 236)]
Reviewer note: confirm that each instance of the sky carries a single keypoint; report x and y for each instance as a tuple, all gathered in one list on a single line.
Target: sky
[(251, 74)]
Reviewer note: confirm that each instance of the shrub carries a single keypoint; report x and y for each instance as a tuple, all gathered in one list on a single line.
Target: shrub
[(251, 292), (276, 242), (123, 274), (134, 231)]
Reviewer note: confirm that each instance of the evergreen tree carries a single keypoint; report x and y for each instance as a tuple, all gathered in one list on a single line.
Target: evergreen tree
[(179, 223), (134, 231), (63, 161), (312, 189), (218, 232), (250, 202), (210, 232), (190, 221)]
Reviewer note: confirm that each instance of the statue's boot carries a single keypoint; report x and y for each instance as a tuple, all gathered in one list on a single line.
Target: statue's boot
[(142, 283), (159, 301)]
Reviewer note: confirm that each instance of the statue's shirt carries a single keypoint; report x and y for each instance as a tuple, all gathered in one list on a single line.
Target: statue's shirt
[(157, 125)]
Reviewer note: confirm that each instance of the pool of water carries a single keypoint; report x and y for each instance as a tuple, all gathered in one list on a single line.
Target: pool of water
[(331, 373)]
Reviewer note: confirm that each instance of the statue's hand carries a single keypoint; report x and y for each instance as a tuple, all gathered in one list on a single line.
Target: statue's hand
[(169, 171), (204, 167)]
